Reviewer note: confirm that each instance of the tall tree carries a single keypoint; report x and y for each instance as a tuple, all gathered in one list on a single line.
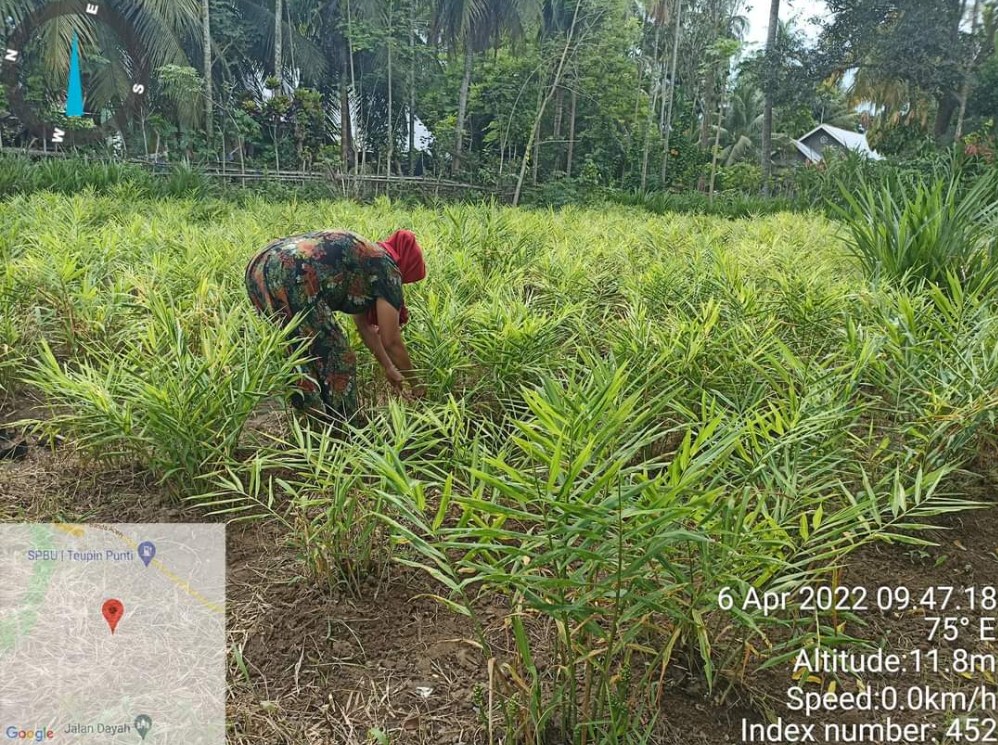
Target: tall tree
[(672, 89), (353, 86), (713, 21), (535, 130), (412, 85), (389, 13), (766, 147), (973, 61), (456, 22), (279, 42), (657, 15), (470, 26), (208, 95), (742, 123)]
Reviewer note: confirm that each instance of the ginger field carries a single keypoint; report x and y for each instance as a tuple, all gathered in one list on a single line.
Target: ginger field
[(626, 414)]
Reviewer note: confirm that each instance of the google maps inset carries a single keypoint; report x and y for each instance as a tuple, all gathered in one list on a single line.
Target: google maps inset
[(112, 633)]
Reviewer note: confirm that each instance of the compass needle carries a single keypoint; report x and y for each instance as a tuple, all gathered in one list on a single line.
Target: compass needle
[(74, 92)]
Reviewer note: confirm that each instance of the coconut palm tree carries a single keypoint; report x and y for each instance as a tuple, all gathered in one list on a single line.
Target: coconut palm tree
[(294, 40), (16, 10), (460, 25), (895, 102), (740, 133), (279, 42), (666, 120), (741, 130), (832, 106)]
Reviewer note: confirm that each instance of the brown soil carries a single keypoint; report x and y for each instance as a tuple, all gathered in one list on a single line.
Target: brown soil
[(309, 665)]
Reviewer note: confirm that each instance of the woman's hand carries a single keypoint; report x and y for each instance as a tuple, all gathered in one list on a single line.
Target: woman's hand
[(384, 339), (395, 378)]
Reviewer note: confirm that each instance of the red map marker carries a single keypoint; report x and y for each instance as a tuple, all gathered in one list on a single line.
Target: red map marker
[(113, 610)]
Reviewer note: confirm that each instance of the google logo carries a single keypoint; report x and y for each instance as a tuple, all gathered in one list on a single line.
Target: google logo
[(38, 735)]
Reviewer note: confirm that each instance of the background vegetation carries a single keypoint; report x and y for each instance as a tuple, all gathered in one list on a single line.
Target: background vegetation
[(549, 99)]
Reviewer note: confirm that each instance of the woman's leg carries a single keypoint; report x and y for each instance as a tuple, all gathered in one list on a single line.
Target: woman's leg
[(308, 397), (336, 366)]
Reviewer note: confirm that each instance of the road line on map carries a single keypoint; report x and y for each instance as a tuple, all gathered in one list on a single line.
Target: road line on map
[(181, 583)]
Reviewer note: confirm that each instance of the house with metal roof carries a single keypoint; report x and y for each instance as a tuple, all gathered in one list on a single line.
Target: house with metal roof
[(811, 146)]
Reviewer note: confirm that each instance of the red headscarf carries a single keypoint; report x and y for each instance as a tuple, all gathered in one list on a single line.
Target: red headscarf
[(408, 255), (405, 251)]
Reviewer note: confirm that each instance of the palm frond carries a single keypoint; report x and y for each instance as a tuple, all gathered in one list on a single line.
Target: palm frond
[(309, 57)]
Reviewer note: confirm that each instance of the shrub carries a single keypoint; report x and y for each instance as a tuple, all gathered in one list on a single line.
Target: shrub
[(743, 177), (174, 403), (726, 204), (912, 231)]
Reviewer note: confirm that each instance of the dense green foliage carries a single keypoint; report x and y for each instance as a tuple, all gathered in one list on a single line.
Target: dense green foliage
[(940, 231), (571, 96), (611, 435)]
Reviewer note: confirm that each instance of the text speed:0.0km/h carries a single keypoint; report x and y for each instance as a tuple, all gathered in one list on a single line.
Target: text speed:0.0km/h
[(890, 699)]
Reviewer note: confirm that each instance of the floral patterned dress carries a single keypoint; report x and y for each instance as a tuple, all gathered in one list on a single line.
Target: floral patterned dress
[(319, 274)]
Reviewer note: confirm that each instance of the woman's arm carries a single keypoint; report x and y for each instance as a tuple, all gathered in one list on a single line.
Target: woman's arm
[(390, 333), (372, 340)]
